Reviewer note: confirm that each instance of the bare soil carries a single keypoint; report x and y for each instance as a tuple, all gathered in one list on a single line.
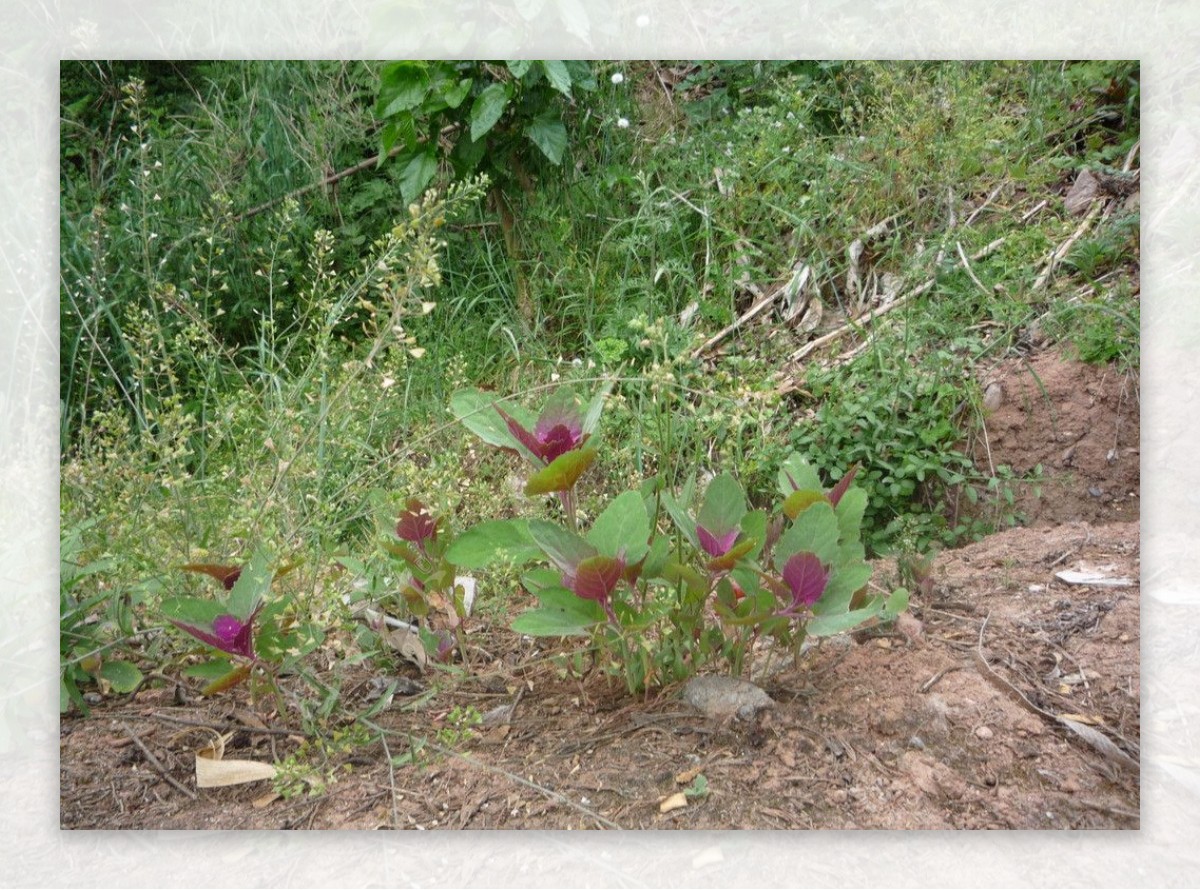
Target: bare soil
[(1011, 700)]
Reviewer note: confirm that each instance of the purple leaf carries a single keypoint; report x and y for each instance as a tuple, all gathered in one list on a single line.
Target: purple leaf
[(835, 493), (596, 577), (416, 524), (806, 578), (556, 441), (526, 438), (713, 545), (227, 633)]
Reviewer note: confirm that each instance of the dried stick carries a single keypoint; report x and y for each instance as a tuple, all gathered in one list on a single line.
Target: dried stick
[(153, 761), (812, 345), (749, 315), (223, 727), (1098, 204)]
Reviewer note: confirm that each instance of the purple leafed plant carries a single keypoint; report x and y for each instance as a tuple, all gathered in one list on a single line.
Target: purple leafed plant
[(558, 430), (227, 633)]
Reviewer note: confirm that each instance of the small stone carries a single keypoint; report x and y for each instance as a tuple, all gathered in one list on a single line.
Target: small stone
[(993, 396), (721, 697), (916, 742), (983, 732)]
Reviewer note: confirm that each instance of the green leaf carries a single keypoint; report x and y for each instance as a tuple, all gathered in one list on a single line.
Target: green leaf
[(850, 510), (547, 132), (251, 586), (562, 473), (828, 625), (623, 529), (477, 412), (541, 578), (419, 169), (754, 527), (497, 539), (724, 505), (560, 614), (123, 676), (797, 475), (518, 67), (656, 558), (453, 95), (896, 603), (558, 75), (814, 531), (799, 501), (403, 86), (190, 610), (209, 670), (487, 109), (683, 520), (844, 582), (564, 548), (467, 153)]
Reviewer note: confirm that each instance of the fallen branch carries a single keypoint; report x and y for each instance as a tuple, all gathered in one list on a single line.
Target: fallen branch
[(813, 345), (225, 727), (153, 761), (1098, 205), (752, 313), (1096, 739)]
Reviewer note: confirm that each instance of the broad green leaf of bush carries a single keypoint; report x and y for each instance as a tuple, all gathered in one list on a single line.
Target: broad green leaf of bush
[(560, 613), (724, 505), (251, 586), (797, 474), (416, 173), (850, 510), (840, 622), (814, 531), (477, 412), (123, 676), (549, 134), (623, 529), (682, 518), (844, 582), (565, 549), (496, 540), (402, 87), (487, 110), (558, 75)]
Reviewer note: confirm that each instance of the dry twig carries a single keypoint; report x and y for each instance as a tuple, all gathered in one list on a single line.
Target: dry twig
[(154, 762)]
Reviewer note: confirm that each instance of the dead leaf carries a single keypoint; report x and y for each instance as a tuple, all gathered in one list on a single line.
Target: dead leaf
[(674, 802), (408, 644), (212, 773), (685, 777)]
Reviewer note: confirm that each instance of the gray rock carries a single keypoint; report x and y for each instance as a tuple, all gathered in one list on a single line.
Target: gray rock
[(724, 697)]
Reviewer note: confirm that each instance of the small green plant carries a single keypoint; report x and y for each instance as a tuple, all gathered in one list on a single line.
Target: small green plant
[(86, 651), (459, 726)]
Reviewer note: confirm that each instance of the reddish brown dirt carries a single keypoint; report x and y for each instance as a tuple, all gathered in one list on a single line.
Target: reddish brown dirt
[(1080, 423), (953, 724)]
